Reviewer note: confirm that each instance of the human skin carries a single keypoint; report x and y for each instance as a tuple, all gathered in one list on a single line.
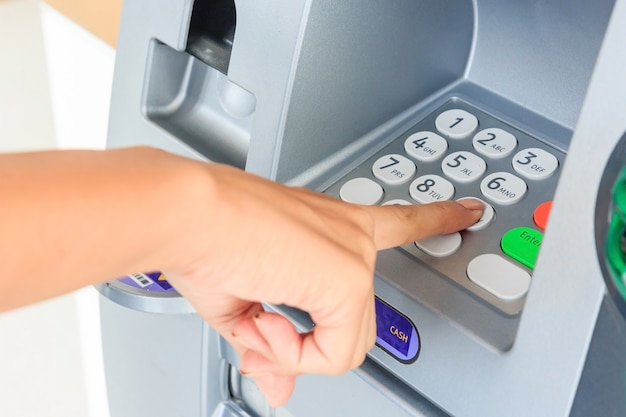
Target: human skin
[(227, 240)]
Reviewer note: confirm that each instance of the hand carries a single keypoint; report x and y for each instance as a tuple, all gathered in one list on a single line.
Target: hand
[(265, 242)]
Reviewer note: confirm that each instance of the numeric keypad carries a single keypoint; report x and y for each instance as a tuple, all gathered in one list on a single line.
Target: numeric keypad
[(458, 153)]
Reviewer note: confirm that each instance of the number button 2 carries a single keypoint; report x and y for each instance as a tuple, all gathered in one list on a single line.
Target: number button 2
[(494, 143), (431, 188), (456, 123), (394, 169)]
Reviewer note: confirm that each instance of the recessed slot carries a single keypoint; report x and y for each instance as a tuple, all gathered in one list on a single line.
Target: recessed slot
[(211, 32), (198, 105)]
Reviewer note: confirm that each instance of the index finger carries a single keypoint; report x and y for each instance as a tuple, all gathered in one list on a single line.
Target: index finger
[(396, 225)]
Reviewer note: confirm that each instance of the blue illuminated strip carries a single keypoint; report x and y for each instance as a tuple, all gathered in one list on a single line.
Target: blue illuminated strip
[(395, 333)]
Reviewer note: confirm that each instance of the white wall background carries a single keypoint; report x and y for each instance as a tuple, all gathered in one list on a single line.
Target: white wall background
[(55, 81)]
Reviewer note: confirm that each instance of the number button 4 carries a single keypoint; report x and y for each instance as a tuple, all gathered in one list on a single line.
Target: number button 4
[(394, 169), (425, 146)]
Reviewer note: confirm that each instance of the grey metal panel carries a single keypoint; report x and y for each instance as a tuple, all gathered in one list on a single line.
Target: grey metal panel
[(153, 362), (360, 64), (539, 54), (602, 385)]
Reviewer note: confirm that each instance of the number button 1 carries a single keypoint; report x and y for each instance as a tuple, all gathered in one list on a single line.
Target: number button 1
[(425, 146), (494, 143), (394, 169), (535, 163), (456, 123), (431, 188)]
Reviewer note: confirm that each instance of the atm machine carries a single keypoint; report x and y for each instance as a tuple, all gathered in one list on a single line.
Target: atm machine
[(521, 104)]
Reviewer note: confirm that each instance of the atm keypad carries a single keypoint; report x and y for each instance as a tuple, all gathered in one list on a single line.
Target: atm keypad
[(461, 152)]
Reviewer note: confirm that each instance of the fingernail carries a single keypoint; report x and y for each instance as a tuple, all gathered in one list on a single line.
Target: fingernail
[(471, 204), (254, 374)]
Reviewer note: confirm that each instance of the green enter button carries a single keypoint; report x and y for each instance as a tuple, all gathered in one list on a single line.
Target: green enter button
[(522, 244)]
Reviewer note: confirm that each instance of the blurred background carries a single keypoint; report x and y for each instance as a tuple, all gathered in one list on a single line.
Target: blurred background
[(56, 68)]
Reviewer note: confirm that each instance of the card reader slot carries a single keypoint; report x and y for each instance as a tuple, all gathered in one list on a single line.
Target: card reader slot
[(211, 32)]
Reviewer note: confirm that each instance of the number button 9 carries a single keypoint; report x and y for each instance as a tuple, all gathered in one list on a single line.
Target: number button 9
[(394, 169)]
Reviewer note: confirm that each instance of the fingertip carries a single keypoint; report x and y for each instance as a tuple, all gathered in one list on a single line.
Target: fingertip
[(473, 204)]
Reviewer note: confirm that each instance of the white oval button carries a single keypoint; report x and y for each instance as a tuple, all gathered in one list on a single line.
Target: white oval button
[(463, 166), (361, 191), (494, 143), (535, 163), (499, 276), (394, 169), (425, 146), (440, 246), (431, 188), (503, 187), (485, 220), (456, 123)]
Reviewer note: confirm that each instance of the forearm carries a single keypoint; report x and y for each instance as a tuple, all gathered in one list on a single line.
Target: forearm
[(76, 218)]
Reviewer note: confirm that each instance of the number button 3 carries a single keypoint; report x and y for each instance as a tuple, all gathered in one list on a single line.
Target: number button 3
[(394, 169), (535, 163)]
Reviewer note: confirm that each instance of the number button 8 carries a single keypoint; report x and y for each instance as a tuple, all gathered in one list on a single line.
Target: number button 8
[(431, 188)]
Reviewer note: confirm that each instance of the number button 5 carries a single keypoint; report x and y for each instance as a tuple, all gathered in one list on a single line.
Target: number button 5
[(463, 166)]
